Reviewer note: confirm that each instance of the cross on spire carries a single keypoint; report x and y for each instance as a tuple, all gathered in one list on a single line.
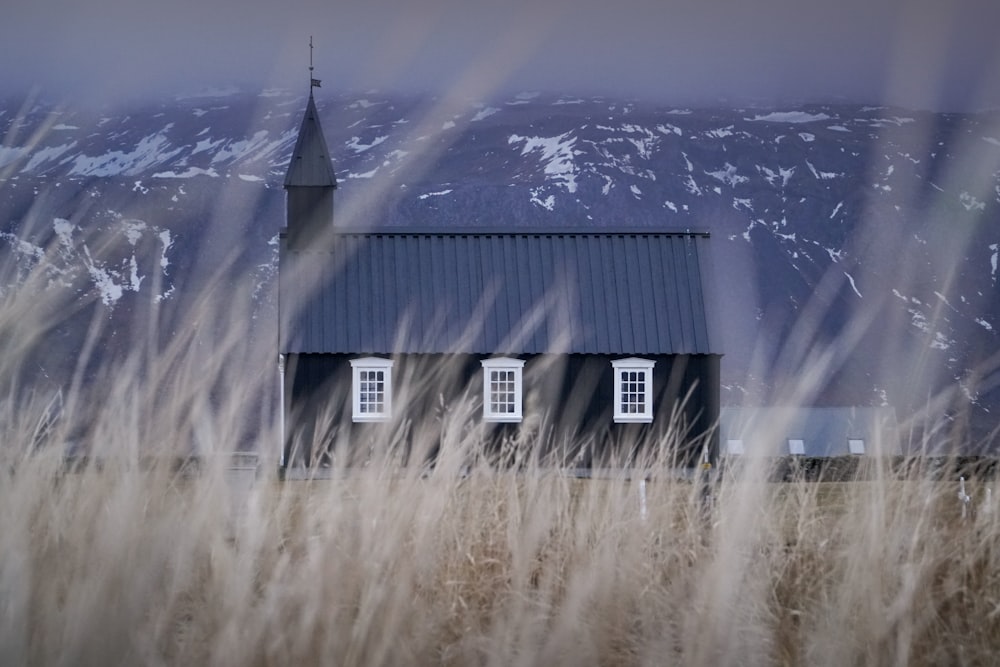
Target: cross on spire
[(313, 82)]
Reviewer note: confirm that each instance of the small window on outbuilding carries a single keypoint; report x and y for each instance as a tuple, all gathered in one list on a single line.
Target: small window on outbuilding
[(633, 389), (796, 447), (856, 446), (502, 389), (734, 447), (372, 389)]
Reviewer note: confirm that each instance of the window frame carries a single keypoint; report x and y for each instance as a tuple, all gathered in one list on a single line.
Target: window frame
[(735, 447), (371, 364), (502, 365), (633, 364)]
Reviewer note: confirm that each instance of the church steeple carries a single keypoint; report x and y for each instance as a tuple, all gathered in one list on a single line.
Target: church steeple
[(310, 166), (310, 181)]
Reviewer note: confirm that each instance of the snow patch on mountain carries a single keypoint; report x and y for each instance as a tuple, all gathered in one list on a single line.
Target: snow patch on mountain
[(728, 175), (10, 154), (789, 117), (256, 148), (434, 194), (548, 203), (720, 133), (190, 172), (484, 113), (134, 230), (772, 176), (854, 285), (150, 151), (821, 175), (43, 155), (355, 144), (970, 203), (557, 153)]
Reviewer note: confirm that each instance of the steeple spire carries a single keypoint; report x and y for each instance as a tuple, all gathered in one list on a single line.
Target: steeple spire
[(313, 81), (310, 180)]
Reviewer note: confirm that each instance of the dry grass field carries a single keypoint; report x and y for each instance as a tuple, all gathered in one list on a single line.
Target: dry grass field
[(132, 564)]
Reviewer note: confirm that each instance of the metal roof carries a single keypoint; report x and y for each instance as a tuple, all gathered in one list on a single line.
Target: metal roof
[(310, 164), (824, 432), (487, 292)]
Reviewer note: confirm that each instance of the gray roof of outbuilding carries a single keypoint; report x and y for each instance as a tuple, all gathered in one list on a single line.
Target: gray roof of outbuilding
[(489, 292), (310, 164), (824, 432)]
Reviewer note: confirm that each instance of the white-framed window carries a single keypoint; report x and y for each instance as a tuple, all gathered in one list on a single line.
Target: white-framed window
[(796, 447), (633, 389), (856, 446), (502, 389), (735, 447), (372, 389)]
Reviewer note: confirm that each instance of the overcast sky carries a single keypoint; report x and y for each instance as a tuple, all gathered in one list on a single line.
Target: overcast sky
[(937, 54)]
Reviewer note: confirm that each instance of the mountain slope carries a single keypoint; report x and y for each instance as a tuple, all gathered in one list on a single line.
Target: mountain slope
[(876, 227)]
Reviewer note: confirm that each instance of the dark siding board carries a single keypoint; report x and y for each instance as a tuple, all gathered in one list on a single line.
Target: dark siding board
[(318, 384)]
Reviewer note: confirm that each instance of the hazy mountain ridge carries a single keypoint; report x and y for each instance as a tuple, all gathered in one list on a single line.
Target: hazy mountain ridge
[(868, 203)]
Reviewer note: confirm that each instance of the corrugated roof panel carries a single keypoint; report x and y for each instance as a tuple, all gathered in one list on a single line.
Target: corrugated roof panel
[(649, 305), (663, 277), (593, 284), (683, 293), (605, 293), (698, 315)]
